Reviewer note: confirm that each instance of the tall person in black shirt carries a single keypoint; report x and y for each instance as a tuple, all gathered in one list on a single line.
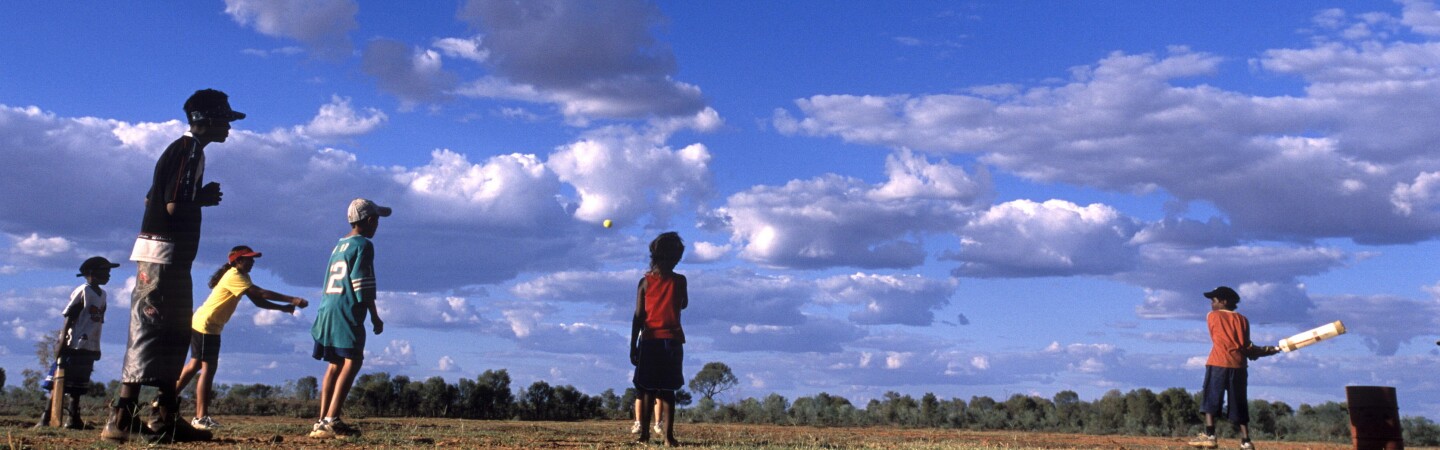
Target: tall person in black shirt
[(163, 300)]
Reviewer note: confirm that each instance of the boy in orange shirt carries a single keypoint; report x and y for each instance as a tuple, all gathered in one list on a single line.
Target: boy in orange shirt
[(1225, 371)]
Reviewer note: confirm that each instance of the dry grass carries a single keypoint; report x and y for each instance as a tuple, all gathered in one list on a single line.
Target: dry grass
[(276, 432)]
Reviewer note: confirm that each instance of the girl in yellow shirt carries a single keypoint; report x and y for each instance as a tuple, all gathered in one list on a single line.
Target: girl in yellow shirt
[(227, 285)]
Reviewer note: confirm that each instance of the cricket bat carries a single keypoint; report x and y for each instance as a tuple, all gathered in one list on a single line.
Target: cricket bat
[(57, 395), (1310, 337), (57, 389)]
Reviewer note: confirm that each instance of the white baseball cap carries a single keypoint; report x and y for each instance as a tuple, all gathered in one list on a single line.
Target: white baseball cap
[(361, 209)]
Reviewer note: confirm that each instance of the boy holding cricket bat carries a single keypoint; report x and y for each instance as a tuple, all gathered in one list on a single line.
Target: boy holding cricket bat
[(1225, 371), (79, 342)]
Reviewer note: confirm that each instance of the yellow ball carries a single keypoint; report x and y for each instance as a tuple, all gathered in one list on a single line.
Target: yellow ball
[(607, 223)]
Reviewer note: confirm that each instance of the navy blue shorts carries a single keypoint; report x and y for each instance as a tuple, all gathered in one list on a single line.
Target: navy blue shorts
[(337, 355), (79, 364), (1226, 385), (660, 366), (205, 347)]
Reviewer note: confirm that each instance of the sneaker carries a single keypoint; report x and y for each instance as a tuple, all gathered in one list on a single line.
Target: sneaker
[(1247, 446), (1203, 441), (204, 423), (339, 429), (319, 432), (659, 427), (634, 427)]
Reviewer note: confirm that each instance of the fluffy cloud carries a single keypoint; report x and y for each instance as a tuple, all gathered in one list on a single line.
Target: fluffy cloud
[(1054, 238), (396, 354), (1266, 277), (469, 49), (530, 331), (739, 297), (504, 204), (664, 178), (338, 119), (448, 364), (416, 310), (838, 221), (322, 25), (591, 60), (1135, 123), (890, 299), (1384, 322), (611, 288), (812, 334), (414, 75)]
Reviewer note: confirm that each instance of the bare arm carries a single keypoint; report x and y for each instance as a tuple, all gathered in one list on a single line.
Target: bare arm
[(65, 331), (260, 296), (375, 315), (682, 291), (637, 323)]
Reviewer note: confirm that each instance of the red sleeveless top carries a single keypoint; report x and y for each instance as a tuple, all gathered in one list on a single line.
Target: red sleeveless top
[(662, 310)]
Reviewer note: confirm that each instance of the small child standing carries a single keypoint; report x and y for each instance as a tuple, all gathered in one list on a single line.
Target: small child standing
[(228, 284), (1226, 375), (80, 337), (339, 329), (659, 354)]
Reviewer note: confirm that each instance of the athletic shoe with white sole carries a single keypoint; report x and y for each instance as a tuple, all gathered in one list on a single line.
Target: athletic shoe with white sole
[(1247, 446), (318, 431), (659, 427), (340, 429), (635, 427), (204, 423), (1203, 441)]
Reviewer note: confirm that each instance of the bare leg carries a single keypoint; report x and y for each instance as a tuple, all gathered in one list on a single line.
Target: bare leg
[(667, 402), (191, 368), (327, 387), (1244, 432), (344, 380), (646, 398), (202, 388)]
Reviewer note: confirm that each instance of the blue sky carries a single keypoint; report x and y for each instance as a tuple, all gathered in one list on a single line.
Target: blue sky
[(977, 198)]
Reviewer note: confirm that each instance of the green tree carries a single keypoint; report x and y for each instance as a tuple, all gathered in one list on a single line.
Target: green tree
[(1142, 412), (1420, 431), (612, 405), (373, 393), (1179, 414), (488, 397), (713, 379), (1069, 411), (31, 379), (774, 408), (985, 414), (437, 397), (1026, 412), (307, 388), (930, 411), (538, 402)]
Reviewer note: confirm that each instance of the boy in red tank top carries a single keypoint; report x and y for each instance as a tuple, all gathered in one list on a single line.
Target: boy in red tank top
[(657, 342), (1226, 375)]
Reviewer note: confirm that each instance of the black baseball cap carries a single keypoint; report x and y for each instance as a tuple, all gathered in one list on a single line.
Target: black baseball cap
[(95, 262), (207, 105), (1223, 293)]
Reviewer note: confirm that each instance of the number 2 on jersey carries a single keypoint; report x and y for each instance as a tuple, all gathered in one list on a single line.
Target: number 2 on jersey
[(335, 285)]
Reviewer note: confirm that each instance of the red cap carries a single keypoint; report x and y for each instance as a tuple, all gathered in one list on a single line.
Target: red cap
[(243, 252)]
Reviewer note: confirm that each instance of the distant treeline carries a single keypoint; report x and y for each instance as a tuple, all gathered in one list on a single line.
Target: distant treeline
[(1172, 412)]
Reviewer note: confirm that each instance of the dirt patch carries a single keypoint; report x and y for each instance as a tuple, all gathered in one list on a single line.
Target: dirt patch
[(279, 432)]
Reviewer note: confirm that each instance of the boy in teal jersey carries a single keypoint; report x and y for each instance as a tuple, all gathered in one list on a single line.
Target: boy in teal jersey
[(339, 330)]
